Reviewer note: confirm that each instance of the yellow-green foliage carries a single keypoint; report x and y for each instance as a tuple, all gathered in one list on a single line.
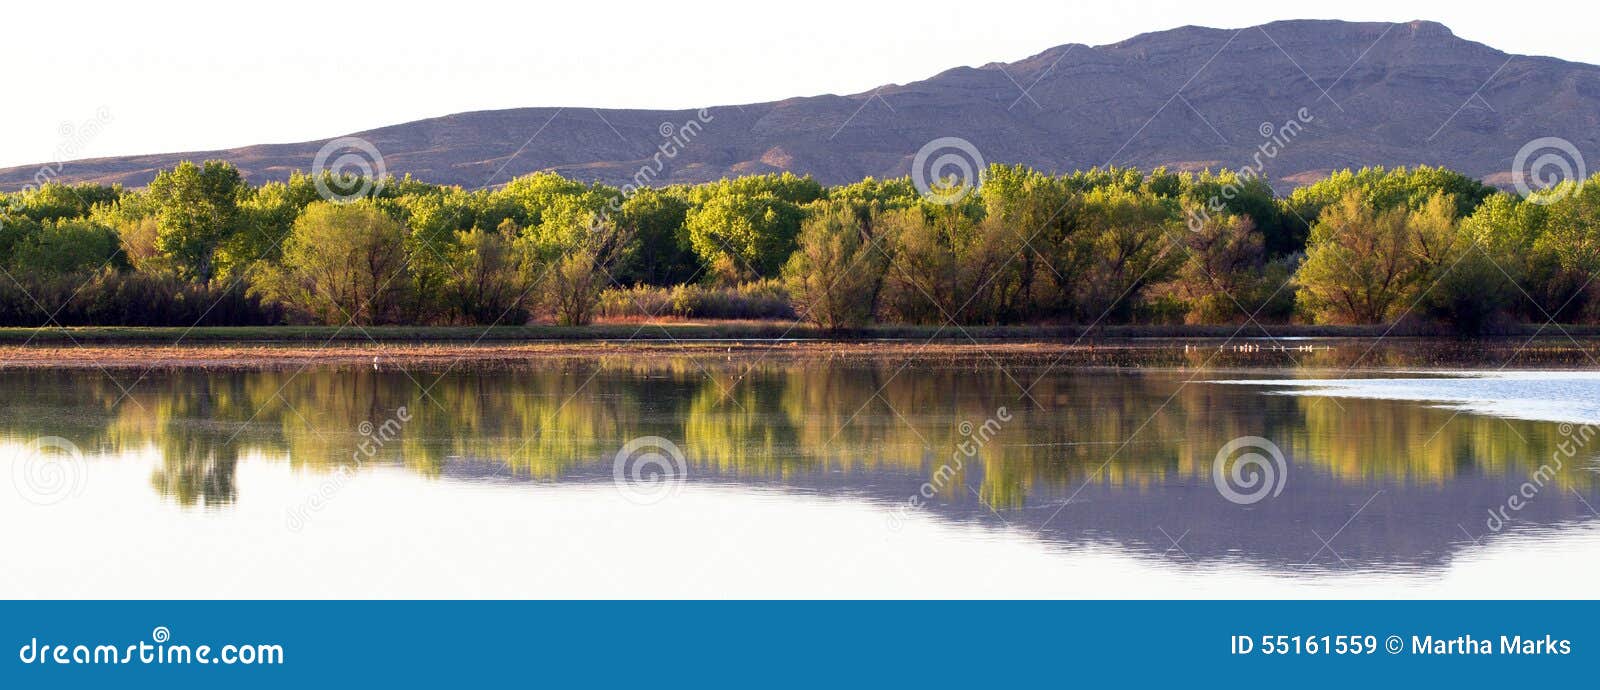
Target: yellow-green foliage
[(1105, 245)]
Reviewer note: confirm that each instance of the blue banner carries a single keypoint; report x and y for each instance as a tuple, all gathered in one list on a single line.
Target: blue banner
[(794, 644)]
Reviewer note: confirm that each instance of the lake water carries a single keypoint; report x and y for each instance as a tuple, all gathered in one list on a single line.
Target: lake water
[(808, 475)]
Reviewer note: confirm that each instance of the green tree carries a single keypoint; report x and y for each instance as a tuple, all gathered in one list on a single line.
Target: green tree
[(57, 201), (1134, 238), (341, 262), (14, 229), (527, 198), (1570, 243), (266, 216), (67, 246), (1370, 265), (890, 195), (1021, 209), (743, 237), (665, 254), (133, 217), (198, 210), (577, 263), (491, 276), (787, 187), (1386, 188), (1223, 277), (941, 267), (834, 276), (1228, 193)]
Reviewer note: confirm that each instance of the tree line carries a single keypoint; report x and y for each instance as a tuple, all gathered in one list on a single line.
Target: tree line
[(200, 246)]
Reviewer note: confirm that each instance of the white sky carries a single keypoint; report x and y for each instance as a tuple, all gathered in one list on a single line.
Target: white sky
[(199, 75)]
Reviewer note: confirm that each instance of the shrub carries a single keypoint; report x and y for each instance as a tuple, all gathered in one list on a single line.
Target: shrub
[(579, 253), (834, 276), (125, 298), (65, 247), (764, 299), (758, 300)]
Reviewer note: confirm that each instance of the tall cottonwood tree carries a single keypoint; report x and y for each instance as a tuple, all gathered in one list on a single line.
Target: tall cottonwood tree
[(836, 271), (197, 209), (341, 262), (1371, 265)]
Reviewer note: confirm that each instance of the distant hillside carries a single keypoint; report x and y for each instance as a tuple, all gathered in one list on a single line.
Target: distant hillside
[(1390, 94)]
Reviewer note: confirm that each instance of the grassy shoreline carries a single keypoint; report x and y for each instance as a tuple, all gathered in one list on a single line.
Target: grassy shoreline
[(668, 332)]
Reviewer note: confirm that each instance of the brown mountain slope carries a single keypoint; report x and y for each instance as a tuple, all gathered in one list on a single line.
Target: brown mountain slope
[(1389, 94)]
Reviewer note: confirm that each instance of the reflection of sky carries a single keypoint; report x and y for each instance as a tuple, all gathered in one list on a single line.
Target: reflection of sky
[(1392, 526), (450, 538), (1567, 396)]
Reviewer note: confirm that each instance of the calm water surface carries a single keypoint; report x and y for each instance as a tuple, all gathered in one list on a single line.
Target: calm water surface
[(799, 476)]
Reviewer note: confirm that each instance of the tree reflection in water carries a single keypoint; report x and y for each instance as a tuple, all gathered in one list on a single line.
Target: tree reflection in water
[(1132, 449)]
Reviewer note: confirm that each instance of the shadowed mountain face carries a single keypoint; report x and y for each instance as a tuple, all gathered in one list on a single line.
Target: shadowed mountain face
[(1188, 98)]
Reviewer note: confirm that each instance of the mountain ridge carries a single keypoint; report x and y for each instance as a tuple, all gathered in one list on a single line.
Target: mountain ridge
[(1188, 98)]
